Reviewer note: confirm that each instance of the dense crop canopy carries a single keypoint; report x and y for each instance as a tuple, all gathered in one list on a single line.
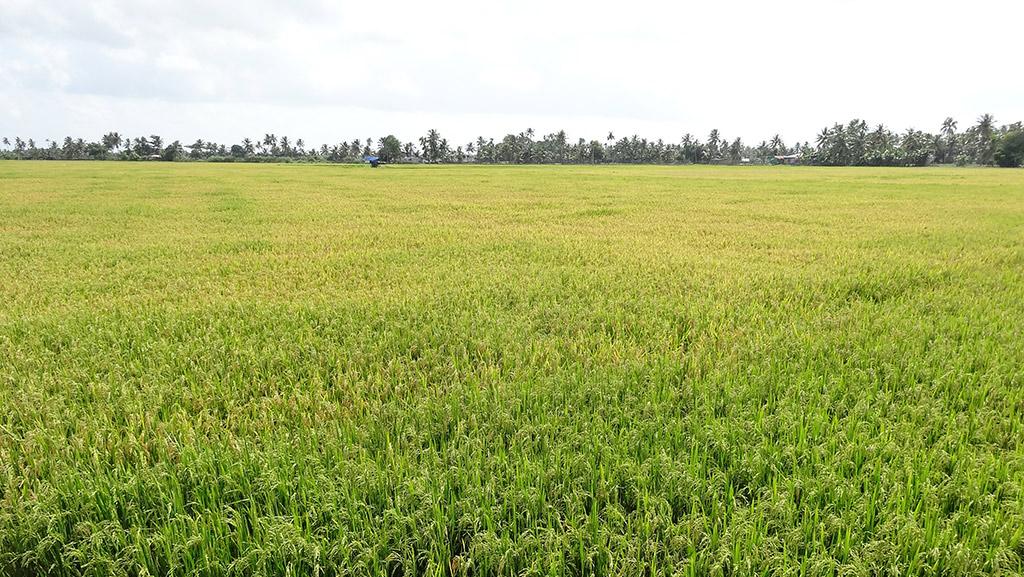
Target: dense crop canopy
[(249, 369)]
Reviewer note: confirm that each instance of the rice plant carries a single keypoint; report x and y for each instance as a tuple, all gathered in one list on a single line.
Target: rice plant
[(331, 370)]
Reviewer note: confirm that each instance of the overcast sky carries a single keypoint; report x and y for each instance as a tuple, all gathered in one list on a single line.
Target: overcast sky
[(330, 71)]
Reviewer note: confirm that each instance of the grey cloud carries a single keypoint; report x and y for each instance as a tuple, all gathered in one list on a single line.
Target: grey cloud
[(668, 62)]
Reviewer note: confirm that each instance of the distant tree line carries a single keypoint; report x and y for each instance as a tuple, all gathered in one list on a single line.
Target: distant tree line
[(851, 144)]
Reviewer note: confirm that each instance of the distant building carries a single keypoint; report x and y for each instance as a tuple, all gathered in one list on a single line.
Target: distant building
[(788, 158)]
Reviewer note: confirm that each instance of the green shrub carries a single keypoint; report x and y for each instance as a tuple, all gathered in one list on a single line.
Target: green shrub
[(1010, 152)]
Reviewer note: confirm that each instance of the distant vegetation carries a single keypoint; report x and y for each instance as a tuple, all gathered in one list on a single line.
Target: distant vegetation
[(852, 144)]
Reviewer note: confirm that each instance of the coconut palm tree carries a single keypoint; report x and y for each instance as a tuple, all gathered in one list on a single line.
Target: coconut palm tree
[(714, 139), (270, 143), (947, 144), (949, 126), (986, 139)]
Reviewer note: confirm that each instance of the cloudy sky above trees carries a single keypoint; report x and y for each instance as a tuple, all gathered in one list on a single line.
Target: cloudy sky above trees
[(327, 71)]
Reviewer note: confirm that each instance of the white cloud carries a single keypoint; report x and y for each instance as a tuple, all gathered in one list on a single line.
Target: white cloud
[(329, 71)]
